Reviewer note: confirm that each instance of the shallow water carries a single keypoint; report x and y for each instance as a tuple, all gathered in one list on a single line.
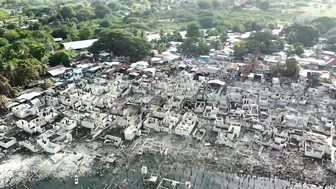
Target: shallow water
[(131, 179)]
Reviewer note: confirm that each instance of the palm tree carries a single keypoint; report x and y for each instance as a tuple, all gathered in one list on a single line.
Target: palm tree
[(10, 71), (253, 62), (3, 101), (5, 88)]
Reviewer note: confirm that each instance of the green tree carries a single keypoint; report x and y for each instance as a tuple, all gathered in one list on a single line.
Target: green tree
[(47, 84), (67, 12), (206, 22), (239, 48), (3, 14), (8, 70), (203, 4), (122, 43), (193, 30), (11, 35), (13, 26), (291, 68), (215, 44), (175, 36), (112, 5), (265, 5), (323, 24), (254, 26), (299, 50), (35, 26), (221, 29), (21, 72), (86, 14), (204, 48), (239, 28), (331, 42), (223, 37), (7, 53), (264, 42), (61, 32), (101, 9), (272, 26), (63, 57), (85, 33), (185, 17), (5, 88), (3, 42), (27, 70), (193, 47), (37, 50), (330, 33), (212, 32), (305, 34), (105, 23), (139, 49), (215, 4)]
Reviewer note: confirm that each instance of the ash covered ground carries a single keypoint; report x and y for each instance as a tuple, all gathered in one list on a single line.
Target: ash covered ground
[(200, 127)]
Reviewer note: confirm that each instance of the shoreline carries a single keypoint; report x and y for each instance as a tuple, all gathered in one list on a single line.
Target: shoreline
[(184, 152), (214, 169)]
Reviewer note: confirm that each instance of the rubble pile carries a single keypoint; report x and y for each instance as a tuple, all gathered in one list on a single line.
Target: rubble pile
[(192, 114)]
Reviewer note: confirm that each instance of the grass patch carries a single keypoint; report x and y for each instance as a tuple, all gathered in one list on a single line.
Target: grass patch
[(317, 9)]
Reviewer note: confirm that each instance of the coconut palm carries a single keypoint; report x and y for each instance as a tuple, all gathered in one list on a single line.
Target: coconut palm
[(252, 63), (10, 71), (5, 88)]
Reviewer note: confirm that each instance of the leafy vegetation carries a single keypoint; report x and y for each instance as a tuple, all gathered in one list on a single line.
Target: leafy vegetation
[(299, 33), (27, 47), (290, 68), (62, 57), (259, 42), (323, 24), (194, 47), (122, 43)]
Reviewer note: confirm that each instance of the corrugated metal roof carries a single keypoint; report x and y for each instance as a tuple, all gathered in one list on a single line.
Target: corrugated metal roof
[(57, 70), (29, 96), (75, 45), (58, 39)]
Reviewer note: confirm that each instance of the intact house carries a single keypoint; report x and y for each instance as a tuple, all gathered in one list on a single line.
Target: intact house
[(59, 73), (79, 45)]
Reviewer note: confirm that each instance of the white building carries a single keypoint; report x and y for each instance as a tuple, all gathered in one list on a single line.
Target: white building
[(185, 127)]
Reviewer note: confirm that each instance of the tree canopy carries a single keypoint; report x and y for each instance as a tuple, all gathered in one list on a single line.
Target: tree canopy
[(259, 42), (331, 42), (290, 68), (122, 43), (194, 47), (265, 5), (11, 35), (206, 22), (193, 30), (299, 50), (3, 14), (305, 34), (121, 27), (323, 24), (240, 48), (62, 57)]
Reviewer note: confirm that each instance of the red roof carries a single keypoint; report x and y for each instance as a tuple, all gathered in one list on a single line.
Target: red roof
[(56, 67), (248, 67)]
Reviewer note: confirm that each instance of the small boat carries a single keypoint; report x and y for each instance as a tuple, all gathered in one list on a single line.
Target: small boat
[(76, 179)]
